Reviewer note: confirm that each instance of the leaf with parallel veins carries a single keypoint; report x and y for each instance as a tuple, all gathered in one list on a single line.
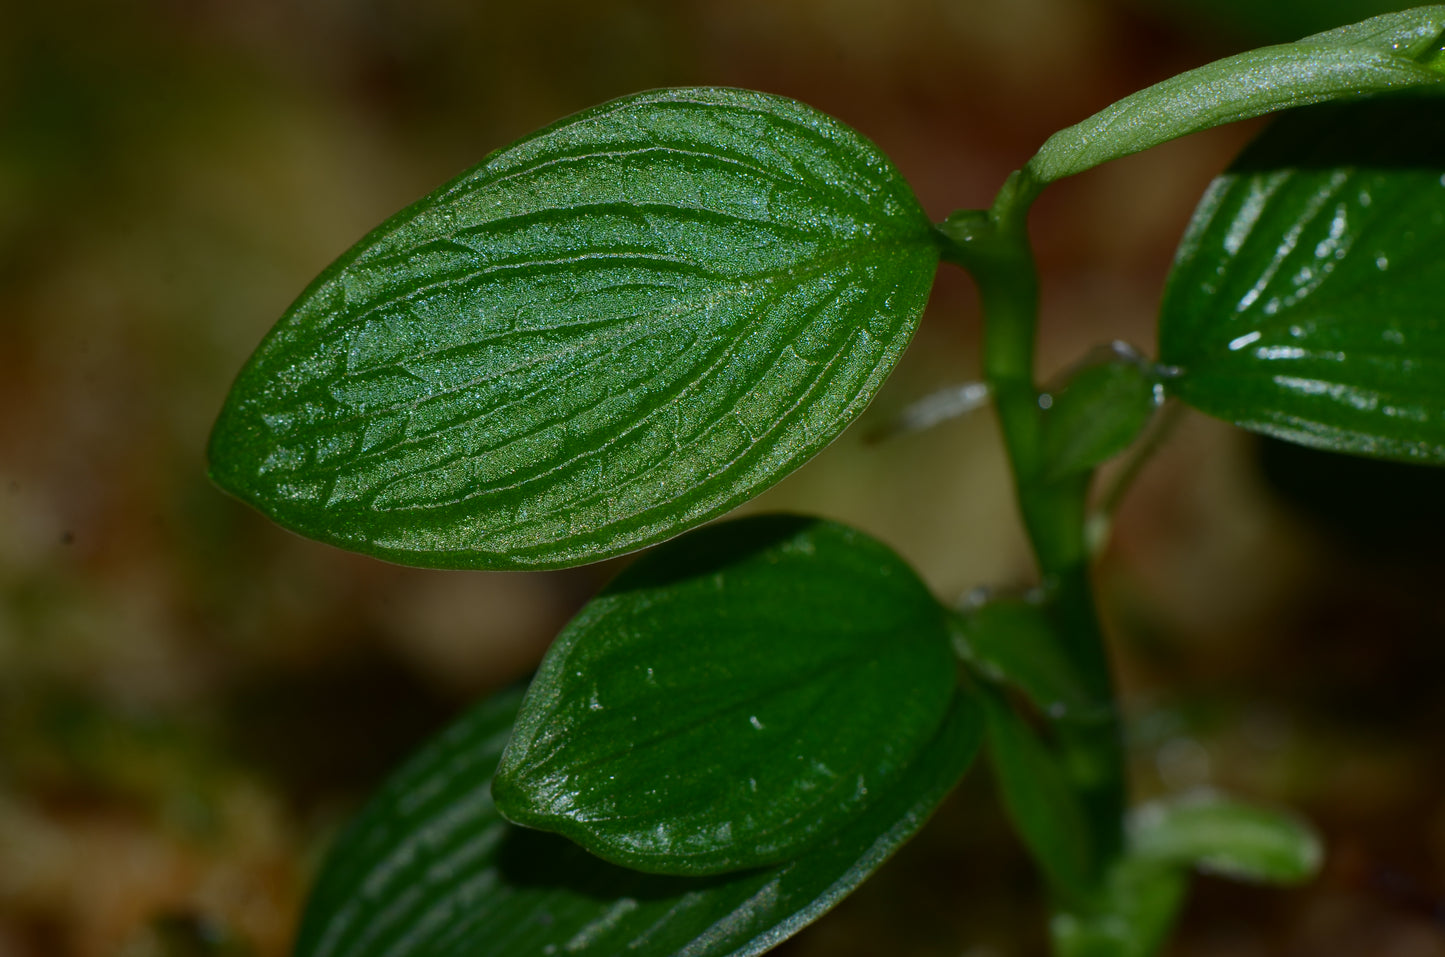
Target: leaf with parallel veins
[(1305, 301), (429, 869), (732, 699), (610, 331)]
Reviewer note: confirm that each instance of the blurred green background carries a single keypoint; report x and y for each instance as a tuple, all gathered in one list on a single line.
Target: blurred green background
[(192, 700)]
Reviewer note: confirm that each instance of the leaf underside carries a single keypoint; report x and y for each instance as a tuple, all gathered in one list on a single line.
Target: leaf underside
[(735, 697), (430, 869), (1305, 301), (612, 330), (1390, 53)]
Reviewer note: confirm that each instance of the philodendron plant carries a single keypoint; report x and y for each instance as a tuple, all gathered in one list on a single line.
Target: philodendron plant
[(624, 325)]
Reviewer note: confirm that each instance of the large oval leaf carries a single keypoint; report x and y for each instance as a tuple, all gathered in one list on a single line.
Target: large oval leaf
[(1384, 54), (612, 330), (430, 870), (1305, 301), (734, 698)]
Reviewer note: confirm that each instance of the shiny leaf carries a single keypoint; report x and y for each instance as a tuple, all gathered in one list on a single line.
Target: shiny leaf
[(1305, 302), (1228, 838), (429, 869), (610, 331), (733, 698), (1388, 53)]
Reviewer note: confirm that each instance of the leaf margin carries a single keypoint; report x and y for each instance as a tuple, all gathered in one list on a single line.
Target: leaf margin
[(229, 433)]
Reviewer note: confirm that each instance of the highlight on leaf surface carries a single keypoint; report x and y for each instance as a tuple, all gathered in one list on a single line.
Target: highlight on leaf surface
[(610, 331), (429, 869), (1305, 299), (734, 698)]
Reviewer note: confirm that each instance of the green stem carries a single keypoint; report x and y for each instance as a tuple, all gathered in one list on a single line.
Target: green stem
[(994, 247), (1112, 496)]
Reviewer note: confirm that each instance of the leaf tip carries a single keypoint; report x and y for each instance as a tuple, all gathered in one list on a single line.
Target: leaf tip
[(509, 794)]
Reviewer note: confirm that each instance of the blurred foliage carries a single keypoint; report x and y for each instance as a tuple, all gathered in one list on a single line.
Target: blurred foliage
[(192, 700)]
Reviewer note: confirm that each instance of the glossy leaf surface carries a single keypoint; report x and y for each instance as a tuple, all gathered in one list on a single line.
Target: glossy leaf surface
[(1043, 807), (1388, 53), (610, 331), (1228, 838), (430, 869), (733, 698), (1305, 301)]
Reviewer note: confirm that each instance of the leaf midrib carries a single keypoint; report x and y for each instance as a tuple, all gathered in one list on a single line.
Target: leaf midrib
[(812, 269)]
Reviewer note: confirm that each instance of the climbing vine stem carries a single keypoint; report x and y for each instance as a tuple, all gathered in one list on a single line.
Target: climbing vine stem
[(993, 245)]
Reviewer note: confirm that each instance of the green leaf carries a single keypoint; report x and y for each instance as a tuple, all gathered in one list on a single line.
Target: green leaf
[(1145, 888), (732, 699), (429, 869), (1098, 413), (612, 330), (1384, 54), (1226, 837), (1305, 299), (1044, 808), (1133, 916), (1013, 642)]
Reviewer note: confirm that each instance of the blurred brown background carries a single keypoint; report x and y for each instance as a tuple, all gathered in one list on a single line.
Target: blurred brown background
[(192, 700)]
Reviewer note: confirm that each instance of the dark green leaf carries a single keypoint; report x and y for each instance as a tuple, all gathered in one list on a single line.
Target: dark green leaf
[(608, 332), (1012, 641), (1226, 837), (1305, 302), (1388, 53), (1132, 918), (1098, 413), (1043, 807), (733, 698), (430, 870)]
